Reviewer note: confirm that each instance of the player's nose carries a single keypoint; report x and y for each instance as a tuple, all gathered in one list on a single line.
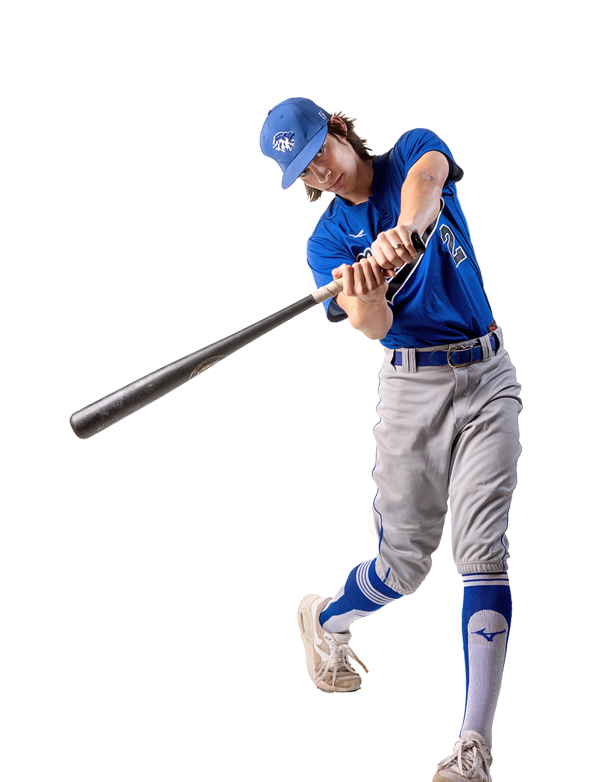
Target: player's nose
[(322, 174)]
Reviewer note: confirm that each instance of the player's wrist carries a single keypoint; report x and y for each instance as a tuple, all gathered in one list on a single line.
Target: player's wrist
[(371, 301), (408, 225)]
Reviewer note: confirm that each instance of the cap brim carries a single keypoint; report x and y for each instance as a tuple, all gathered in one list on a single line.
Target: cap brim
[(297, 166)]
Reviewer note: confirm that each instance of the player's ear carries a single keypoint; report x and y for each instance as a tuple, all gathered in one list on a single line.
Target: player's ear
[(339, 122)]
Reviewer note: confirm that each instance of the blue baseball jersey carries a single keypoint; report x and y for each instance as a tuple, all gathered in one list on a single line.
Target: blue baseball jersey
[(437, 299)]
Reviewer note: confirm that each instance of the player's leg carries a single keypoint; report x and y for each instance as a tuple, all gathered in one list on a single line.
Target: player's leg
[(414, 449), (483, 477), (362, 594), (325, 627), (411, 473), (486, 619)]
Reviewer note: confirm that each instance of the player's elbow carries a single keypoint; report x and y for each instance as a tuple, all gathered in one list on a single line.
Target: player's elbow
[(426, 182), (374, 328), (431, 170), (375, 334)]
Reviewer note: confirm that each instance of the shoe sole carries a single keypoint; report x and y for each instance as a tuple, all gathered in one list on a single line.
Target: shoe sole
[(306, 625), (439, 778)]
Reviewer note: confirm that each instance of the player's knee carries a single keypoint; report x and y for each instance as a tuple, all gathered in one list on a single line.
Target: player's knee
[(412, 582), (403, 576)]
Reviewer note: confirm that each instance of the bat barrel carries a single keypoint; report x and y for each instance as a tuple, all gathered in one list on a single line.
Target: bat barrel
[(112, 408), (127, 400)]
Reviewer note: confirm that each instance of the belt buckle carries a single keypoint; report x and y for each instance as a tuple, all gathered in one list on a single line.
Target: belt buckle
[(458, 350)]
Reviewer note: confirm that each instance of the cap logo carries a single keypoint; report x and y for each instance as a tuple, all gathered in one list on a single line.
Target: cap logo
[(284, 141)]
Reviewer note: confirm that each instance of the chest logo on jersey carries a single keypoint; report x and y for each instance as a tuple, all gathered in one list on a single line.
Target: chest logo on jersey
[(458, 254), (359, 235), (367, 253)]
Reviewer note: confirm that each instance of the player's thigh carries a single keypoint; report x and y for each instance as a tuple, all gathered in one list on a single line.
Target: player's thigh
[(413, 448), (487, 447), (484, 471)]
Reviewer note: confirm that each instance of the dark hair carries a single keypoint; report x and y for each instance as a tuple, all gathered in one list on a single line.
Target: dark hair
[(359, 145)]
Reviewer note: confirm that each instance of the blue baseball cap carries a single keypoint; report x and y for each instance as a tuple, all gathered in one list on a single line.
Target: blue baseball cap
[(293, 133)]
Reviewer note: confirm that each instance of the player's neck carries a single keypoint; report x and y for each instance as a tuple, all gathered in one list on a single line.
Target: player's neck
[(364, 183)]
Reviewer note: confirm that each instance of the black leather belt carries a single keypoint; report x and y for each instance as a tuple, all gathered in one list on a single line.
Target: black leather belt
[(460, 356)]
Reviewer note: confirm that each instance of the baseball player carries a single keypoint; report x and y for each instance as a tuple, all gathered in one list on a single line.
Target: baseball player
[(396, 235)]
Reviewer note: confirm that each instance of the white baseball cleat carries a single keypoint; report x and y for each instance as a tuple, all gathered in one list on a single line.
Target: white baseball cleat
[(471, 760), (327, 654)]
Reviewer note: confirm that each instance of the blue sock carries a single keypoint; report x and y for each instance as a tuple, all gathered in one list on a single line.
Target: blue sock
[(486, 616), (362, 594)]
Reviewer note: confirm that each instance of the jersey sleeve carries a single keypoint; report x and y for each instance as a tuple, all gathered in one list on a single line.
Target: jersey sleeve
[(323, 256), (413, 144)]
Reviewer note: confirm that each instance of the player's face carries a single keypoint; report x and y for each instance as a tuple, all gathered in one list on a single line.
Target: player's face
[(336, 168)]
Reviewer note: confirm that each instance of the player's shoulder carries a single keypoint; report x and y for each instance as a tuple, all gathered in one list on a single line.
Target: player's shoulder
[(419, 132), (414, 143), (327, 224), (381, 161), (331, 212), (409, 147), (417, 137)]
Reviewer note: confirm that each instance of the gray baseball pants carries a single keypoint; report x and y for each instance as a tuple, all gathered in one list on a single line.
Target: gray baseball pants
[(445, 434)]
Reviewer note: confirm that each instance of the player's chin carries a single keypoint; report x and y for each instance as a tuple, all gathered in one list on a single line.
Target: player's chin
[(346, 187)]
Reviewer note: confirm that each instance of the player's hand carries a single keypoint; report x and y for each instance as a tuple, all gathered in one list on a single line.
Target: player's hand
[(364, 280), (394, 248)]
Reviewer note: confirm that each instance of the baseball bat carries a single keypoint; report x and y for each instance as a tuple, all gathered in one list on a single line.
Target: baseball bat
[(127, 400)]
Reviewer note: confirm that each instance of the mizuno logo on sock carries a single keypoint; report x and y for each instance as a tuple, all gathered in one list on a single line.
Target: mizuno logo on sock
[(488, 636)]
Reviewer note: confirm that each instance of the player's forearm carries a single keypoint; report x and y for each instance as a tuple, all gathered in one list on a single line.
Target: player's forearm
[(373, 319), (420, 200), (363, 297)]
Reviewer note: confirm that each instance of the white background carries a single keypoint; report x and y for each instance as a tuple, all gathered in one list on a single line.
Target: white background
[(150, 576)]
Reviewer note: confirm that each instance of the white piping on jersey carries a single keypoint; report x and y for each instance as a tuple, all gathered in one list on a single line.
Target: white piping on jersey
[(428, 233)]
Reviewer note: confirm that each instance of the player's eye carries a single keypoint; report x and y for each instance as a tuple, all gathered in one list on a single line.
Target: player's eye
[(319, 153)]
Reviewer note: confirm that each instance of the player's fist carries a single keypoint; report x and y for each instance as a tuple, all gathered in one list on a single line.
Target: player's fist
[(394, 248), (364, 280)]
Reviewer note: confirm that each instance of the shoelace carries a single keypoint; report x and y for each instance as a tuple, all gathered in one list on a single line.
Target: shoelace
[(339, 657), (474, 755)]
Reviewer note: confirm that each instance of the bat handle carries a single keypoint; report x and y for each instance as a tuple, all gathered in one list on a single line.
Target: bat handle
[(333, 288), (418, 243), (328, 291)]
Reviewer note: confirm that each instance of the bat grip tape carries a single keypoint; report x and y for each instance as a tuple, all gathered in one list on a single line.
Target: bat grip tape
[(328, 291)]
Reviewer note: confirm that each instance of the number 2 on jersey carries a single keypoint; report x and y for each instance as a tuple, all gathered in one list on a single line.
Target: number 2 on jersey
[(448, 238)]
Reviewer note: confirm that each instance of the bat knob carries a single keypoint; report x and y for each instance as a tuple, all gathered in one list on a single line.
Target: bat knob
[(418, 243)]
